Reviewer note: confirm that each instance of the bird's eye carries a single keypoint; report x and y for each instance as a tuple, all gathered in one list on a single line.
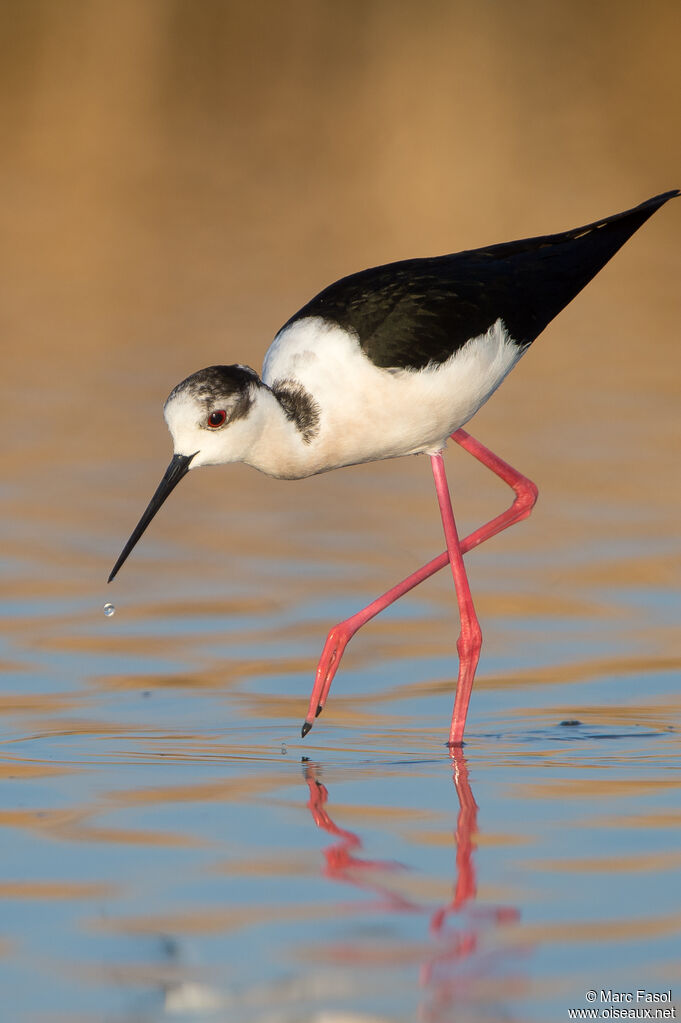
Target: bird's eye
[(216, 419)]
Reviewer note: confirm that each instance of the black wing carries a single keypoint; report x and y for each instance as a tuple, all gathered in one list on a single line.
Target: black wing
[(420, 311)]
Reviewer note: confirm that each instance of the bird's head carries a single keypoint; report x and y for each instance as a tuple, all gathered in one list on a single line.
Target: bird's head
[(208, 414), (208, 417)]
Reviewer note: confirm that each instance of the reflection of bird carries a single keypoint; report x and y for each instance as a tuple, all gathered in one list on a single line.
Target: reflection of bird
[(392, 361), (462, 936)]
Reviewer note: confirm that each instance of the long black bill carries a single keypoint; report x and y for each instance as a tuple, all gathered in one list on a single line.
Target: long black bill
[(178, 468)]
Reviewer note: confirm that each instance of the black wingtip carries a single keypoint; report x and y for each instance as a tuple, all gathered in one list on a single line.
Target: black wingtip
[(307, 725), (318, 710), (647, 207), (663, 197)]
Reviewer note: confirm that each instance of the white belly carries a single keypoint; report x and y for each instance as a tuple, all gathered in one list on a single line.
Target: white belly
[(368, 413)]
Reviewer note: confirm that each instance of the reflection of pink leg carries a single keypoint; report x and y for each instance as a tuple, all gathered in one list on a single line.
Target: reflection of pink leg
[(462, 939), (341, 634), (466, 830), (342, 860), (460, 944)]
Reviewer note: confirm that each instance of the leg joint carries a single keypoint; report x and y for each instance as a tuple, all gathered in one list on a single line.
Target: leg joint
[(527, 493), (469, 642)]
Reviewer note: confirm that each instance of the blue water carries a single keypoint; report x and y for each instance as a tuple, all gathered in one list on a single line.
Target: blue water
[(173, 850)]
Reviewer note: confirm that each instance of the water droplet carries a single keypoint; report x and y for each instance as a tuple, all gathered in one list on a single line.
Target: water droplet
[(109, 610), (284, 750)]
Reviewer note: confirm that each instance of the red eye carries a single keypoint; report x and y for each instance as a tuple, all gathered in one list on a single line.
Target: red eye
[(216, 419)]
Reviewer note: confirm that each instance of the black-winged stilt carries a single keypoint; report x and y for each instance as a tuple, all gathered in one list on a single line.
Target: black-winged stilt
[(392, 361)]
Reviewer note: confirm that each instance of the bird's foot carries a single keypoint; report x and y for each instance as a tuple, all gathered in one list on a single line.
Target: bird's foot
[(336, 641)]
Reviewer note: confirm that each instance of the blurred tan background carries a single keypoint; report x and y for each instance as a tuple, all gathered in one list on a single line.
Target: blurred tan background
[(179, 176)]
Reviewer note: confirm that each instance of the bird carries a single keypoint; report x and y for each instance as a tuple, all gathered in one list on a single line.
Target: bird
[(392, 361)]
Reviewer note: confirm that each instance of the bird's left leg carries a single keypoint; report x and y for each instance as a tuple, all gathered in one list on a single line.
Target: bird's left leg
[(470, 638), (341, 634)]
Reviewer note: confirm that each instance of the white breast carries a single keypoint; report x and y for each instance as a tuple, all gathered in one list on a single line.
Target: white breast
[(368, 413)]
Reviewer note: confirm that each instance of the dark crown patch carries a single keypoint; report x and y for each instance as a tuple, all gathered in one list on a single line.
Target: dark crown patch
[(220, 386)]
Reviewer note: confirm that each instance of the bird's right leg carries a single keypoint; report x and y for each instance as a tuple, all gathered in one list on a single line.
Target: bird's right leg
[(341, 634)]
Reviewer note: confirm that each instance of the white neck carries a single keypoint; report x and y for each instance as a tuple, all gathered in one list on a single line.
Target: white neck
[(277, 447)]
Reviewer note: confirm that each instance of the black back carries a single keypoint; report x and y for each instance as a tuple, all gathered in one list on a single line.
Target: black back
[(420, 311)]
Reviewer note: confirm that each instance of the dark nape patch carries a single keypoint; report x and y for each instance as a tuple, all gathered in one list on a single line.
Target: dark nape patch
[(299, 406)]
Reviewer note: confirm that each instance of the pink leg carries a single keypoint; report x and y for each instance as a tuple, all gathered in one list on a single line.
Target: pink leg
[(470, 638), (341, 634)]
